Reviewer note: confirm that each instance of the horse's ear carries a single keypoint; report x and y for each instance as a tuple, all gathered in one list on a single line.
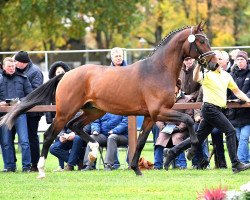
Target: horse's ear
[(199, 27)]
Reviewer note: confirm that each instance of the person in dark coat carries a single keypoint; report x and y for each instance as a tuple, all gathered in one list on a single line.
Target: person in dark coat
[(55, 69), (240, 117), (35, 76), (189, 87), (14, 86)]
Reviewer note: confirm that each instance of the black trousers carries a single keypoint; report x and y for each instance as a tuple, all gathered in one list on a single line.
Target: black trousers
[(213, 117), (33, 122)]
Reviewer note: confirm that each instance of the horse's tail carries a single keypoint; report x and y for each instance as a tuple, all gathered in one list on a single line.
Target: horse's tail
[(42, 95)]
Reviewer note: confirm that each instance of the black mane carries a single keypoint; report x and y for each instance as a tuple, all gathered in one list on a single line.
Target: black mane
[(167, 38)]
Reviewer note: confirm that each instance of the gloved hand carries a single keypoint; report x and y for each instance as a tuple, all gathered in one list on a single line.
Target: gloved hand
[(242, 102), (176, 130)]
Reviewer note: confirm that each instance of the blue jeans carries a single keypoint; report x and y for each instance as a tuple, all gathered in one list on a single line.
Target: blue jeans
[(180, 161), (8, 147), (243, 134), (71, 151), (158, 150)]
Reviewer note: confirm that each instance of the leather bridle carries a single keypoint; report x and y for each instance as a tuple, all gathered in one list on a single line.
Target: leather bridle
[(202, 59)]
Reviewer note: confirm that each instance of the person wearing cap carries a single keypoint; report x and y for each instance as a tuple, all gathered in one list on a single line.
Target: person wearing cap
[(35, 76), (215, 84), (240, 117), (172, 133), (14, 85)]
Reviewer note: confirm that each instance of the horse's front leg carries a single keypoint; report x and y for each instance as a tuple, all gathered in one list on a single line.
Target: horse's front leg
[(145, 130)]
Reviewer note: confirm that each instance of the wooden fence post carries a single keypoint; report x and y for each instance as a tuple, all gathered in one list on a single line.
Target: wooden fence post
[(132, 137)]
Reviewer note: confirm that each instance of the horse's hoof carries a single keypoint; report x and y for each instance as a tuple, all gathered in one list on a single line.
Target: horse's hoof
[(136, 170), (168, 158), (138, 173), (190, 153), (40, 176)]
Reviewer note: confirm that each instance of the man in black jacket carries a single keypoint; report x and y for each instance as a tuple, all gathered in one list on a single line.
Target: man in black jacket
[(14, 85), (35, 76)]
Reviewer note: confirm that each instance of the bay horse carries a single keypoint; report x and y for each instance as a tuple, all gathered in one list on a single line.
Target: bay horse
[(146, 88)]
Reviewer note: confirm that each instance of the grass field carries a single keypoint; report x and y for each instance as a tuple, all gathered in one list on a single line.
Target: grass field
[(119, 184)]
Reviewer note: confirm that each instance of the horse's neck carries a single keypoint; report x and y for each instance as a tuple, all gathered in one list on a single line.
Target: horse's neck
[(167, 63)]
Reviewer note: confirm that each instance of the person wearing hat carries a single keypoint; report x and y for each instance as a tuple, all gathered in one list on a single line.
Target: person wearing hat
[(35, 76), (240, 117), (215, 84), (172, 133)]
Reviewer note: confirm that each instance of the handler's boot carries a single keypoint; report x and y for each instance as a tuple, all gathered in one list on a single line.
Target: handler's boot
[(240, 167), (94, 151)]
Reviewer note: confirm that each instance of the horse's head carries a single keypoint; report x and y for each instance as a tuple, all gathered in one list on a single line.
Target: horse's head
[(199, 48)]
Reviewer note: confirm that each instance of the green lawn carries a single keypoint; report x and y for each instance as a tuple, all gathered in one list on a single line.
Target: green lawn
[(120, 184)]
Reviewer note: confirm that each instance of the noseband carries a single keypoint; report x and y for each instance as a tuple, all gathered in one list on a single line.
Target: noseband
[(202, 57)]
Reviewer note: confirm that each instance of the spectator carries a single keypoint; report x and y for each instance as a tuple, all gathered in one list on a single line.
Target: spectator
[(172, 133), (231, 62), (35, 76), (14, 85), (240, 117), (189, 87), (215, 84), (117, 57), (109, 131), (69, 148), (55, 69), (117, 60)]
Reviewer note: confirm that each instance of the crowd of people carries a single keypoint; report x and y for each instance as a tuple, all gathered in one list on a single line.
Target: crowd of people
[(19, 76)]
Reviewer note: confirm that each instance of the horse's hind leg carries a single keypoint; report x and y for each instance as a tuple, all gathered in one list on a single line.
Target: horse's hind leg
[(146, 128), (49, 137), (175, 116), (77, 124)]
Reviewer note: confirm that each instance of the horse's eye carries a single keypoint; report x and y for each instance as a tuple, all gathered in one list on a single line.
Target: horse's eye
[(202, 41)]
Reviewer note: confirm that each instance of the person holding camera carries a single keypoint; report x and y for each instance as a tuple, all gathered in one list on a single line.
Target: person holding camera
[(14, 85)]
